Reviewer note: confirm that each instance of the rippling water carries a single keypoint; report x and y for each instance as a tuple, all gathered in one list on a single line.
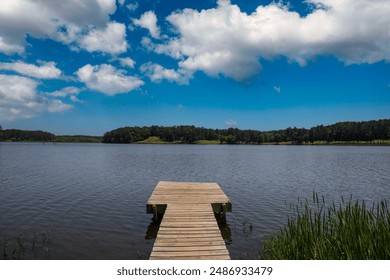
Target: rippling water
[(91, 197)]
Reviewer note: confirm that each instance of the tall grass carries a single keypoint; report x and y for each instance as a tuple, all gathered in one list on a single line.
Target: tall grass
[(34, 246), (315, 230)]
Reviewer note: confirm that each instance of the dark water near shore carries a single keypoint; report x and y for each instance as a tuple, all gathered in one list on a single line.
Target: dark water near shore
[(91, 197)]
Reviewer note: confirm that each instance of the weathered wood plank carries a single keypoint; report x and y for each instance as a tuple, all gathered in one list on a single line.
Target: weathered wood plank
[(199, 237), (189, 224), (189, 243), (207, 238), (219, 197), (190, 253), (194, 213), (190, 219), (188, 248), (217, 257), (189, 229)]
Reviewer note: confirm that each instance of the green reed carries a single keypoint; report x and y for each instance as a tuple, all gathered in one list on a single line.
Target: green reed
[(348, 230), (25, 246)]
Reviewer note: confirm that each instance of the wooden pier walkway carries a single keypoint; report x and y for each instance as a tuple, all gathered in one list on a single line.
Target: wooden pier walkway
[(189, 229)]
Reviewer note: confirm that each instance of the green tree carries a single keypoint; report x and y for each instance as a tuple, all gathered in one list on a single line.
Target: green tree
[(277, 138), (231, 139), (260, 138)]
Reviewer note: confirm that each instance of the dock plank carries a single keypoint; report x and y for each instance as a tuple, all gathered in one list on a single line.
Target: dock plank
[(188, 229)]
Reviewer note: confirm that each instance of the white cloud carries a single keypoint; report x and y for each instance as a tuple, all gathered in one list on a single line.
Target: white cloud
[(20, 99), (70, 92), (121, 2), (278, 89), (157, 73), (47, 70), (147, 43), (9, 48), (126, 62), (132, 6), (62, 21), (55, 106), (75, 99), (148, 20), (231, 123), (226, 41), (111, 39), (107, 79), (67, 91)]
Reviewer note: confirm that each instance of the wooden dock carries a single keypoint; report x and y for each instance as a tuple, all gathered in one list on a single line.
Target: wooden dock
[(188, 229)]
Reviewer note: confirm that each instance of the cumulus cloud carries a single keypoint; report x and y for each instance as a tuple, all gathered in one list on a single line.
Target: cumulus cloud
[(67, 91), (70, 92), (147, 43), (107, 79), (55, 106), (132, 6), (20, 99), (224, 40), (111, 39), (148, 20), (127, 62), (157, 73), (62, 21), (46, 70), (9, 47)]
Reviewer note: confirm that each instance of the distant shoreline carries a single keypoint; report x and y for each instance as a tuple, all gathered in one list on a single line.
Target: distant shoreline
[(365, 133), (205, 142)]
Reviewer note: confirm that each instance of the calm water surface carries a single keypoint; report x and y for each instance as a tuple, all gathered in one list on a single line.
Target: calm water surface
[(91, 197)]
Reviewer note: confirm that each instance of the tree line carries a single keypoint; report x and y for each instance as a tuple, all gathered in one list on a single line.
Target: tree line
[(16, 135), (25, 135), (366, 131)]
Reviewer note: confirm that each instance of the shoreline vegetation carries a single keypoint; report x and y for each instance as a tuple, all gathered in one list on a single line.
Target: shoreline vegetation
[(24, 246), (376, 133), (316, 230)]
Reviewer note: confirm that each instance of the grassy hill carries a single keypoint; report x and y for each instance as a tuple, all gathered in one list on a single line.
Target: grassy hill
[(152, 140)]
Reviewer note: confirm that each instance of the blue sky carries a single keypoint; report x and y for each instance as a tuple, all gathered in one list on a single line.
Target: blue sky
[(89, 66)]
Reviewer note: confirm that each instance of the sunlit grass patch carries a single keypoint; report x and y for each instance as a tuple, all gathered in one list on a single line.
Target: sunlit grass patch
[(152, 140)]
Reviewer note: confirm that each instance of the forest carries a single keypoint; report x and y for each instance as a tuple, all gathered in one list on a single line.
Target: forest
[(25, 135), (18, 135), (365, 131)]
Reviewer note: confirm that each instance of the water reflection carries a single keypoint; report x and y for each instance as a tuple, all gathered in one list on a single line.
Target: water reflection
[(247, 228), (151, 232), (226, 232)]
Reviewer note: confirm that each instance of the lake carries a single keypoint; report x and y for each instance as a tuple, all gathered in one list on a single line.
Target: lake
[(91, 198)]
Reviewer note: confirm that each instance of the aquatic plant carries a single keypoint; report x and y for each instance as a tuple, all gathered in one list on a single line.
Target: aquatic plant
[(26, 246), (348, 230)]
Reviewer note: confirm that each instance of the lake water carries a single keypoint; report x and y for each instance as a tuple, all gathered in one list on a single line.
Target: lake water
[(91, 197)]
